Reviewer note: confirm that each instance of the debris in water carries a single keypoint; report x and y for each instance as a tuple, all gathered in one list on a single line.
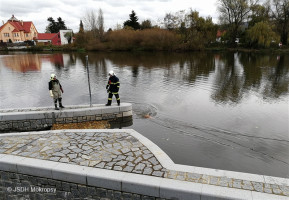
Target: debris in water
[(147, 116)]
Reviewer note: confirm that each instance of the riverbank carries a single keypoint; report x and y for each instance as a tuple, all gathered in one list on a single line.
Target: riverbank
[(73, 48)]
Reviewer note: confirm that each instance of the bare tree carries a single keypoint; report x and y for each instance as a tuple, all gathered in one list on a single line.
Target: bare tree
[(94, 23), (280, 14), (90, 22), (100, 24), (174, 21), (233, 13)]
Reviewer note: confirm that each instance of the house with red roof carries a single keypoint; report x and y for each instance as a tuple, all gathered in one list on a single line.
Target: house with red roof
[(15, 30), (220, 34), (49, 38)]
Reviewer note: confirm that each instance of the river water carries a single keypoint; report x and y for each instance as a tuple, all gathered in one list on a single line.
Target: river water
[(216, 110)]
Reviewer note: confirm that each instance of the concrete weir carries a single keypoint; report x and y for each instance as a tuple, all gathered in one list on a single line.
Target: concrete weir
[(115, 164), (43, 118)]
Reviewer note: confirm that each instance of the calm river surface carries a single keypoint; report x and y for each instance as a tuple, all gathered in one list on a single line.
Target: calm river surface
[(216, 110)]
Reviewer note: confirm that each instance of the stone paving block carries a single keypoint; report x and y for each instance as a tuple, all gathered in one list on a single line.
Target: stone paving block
[(247, 185), (275, 180)]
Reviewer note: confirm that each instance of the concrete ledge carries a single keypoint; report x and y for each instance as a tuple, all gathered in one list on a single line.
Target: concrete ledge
[(36, 119)]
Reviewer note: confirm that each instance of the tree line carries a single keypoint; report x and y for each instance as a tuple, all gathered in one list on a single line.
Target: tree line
[(252, 24)]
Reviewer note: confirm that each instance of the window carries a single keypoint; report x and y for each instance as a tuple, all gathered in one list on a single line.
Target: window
[(6, 34), (27, 35)]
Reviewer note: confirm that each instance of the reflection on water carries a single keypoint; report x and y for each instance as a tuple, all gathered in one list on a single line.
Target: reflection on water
[(217, 110), (23, 63)]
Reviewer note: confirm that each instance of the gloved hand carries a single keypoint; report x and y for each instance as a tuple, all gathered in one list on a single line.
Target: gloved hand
[(61, 90), (51, 94), (107, 86)]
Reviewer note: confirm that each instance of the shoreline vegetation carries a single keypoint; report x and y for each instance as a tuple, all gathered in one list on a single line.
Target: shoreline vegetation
[(148, 40), (72, 48)]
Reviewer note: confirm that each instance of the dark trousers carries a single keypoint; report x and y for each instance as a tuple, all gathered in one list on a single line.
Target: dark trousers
[(59, 101), (110, 98)]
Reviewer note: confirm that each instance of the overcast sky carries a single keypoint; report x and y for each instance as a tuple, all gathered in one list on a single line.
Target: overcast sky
[(114, 11)]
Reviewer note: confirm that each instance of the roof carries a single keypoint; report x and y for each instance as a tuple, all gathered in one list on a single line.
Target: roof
[(220, 33), (13, 19), (46, 36), (18, 25), (21, 26)]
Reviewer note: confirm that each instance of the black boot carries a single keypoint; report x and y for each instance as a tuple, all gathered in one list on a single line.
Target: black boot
[(108, 103), (60, 104), (118, 102), (56, 107)]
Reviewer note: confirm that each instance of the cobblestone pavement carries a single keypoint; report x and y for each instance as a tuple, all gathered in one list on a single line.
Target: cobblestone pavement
[(115, 151)]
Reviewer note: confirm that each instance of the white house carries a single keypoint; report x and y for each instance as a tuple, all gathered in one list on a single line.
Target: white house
[(63, 33)]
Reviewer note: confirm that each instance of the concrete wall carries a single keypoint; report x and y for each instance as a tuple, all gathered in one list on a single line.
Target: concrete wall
[(18, 186), (35, 119)]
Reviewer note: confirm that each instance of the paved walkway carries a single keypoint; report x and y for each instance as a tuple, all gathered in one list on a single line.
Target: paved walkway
[(128, 151)]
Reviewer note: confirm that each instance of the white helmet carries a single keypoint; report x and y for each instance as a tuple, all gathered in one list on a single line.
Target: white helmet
[(111, 73), (52, 76)]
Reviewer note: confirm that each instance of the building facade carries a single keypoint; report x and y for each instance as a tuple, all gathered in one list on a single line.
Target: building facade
[(49, 38), (66, 36), (15, 30)]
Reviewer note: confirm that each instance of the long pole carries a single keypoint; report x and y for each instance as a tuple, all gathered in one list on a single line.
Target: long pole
[(86, 57)]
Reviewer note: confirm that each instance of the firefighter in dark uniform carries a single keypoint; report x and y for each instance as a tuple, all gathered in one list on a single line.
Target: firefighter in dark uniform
[(112, 88), (55, 90)]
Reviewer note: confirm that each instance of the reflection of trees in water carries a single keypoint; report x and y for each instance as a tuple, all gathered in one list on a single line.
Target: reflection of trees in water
[(228, 80), (234, 73), (260, 73), (278, 79)]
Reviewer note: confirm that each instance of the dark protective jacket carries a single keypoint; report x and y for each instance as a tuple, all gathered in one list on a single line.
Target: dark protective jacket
[(113, 85)]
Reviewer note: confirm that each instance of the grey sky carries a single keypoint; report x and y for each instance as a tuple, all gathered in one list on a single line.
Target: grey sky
[(114, 12)]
